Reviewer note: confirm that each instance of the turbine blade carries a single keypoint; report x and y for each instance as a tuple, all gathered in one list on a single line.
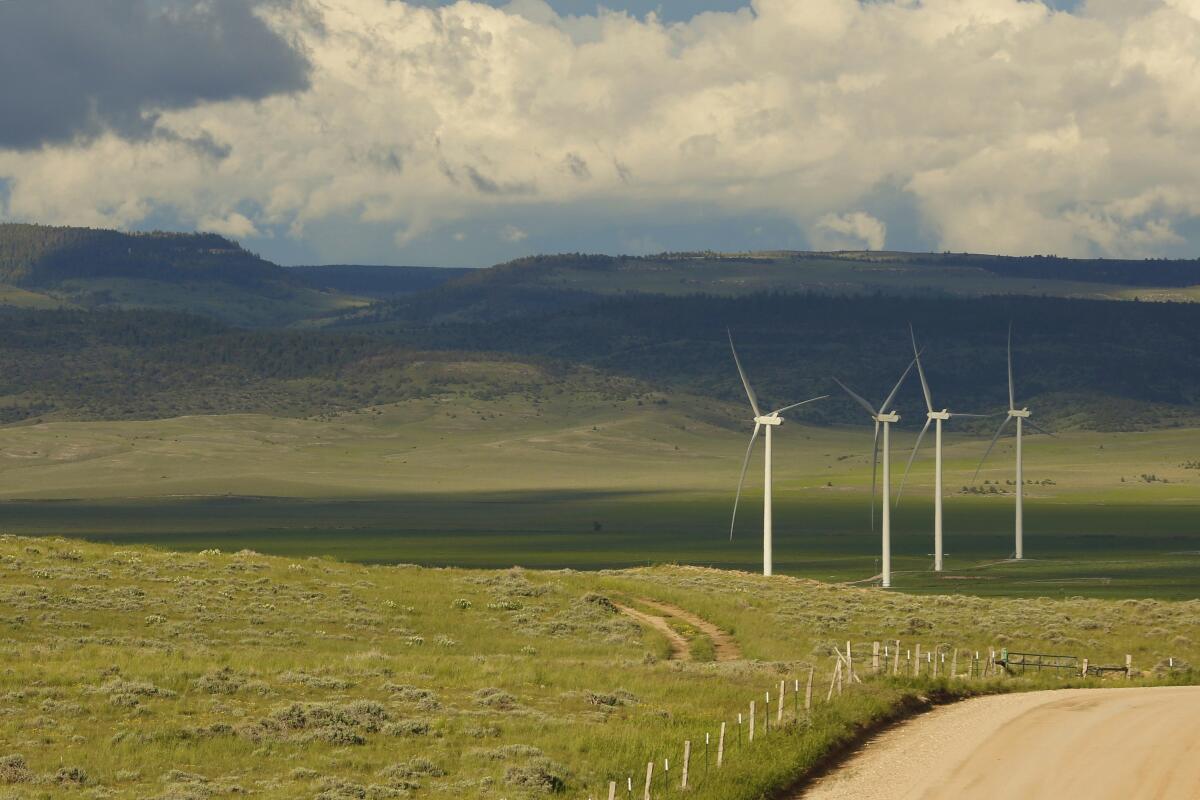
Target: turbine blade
[(745, 381), (874, 470), (742, 479), (801, 403), (975, 416), (857, 397), (887, 403), (1012, 401), (913, 455), (1039, 428), (989, 450), (921, 370)]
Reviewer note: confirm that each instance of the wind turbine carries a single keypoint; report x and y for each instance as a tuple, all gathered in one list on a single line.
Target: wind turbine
[(761, 421), (931, 416), (1022, 417), (885, 418)]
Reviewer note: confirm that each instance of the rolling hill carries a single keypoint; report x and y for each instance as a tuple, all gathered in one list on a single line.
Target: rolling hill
[(199, 273)]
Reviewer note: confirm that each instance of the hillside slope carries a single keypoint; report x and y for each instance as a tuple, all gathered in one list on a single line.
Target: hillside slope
[(137, 673), (199, 273)]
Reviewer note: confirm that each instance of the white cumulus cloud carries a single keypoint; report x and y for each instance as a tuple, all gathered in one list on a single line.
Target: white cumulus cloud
[(1004, 125), (849, 232)]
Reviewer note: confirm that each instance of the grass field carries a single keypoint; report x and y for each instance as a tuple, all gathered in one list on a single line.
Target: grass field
[(136, 672), (587, 483)]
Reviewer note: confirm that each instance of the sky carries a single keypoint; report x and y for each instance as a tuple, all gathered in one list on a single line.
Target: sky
[(471, 133)]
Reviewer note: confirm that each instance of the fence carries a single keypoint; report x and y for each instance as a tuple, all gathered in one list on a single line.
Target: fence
[(848, 668)]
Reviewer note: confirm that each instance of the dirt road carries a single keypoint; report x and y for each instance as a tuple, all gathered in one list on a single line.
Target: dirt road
[(725, 648), (1140, 744), (680, 651)]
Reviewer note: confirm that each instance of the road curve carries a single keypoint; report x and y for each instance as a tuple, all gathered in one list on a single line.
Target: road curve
[(1093, 744)]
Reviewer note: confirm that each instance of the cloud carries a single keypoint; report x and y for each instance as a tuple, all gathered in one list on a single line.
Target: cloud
[(513, 234), (234, 224), (72, 70), (998, 125), (849, 232)]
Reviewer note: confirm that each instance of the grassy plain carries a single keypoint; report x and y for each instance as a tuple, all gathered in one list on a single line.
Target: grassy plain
[(589, 483), (137, 672)]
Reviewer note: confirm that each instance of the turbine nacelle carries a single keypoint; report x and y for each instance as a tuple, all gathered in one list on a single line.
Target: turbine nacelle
[(769, 419), (943, 415), (1023, 413), (889, 417)]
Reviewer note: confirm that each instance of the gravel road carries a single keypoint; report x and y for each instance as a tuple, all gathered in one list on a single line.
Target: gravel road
[(1091, 744)]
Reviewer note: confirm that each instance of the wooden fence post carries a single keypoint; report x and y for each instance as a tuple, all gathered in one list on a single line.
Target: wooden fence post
[(779, 712), (934, 658), (874, 658), (849, 663), (837, 671), (896, 663), (687, 758), (612, 790), (767, 713), (1128, 666), (649, 779), (1085, 669), (752, 715), (721, 746), (954, 665), (808, 689), (917, 663)]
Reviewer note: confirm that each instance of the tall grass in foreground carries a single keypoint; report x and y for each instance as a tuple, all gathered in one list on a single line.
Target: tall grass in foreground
[(137, 673)]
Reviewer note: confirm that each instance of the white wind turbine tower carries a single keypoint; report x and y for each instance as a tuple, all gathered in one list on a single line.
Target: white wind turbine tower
[(885, 418), (1022, 417), (931, 416), (761, 421)]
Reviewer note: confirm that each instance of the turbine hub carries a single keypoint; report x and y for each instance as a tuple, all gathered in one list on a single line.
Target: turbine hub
[(769, 419)]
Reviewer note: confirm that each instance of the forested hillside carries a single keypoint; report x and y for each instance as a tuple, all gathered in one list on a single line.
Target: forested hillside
[(42, 255), (1081, 363), (375, 281), (257, 337), (201, 273)]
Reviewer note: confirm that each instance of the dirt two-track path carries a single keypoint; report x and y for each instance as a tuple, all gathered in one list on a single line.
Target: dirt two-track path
[(725, 648), (1090, 744)]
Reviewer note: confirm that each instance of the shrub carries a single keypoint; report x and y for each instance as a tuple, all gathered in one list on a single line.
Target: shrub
[(14, 770), (315, 681), (408, 727), (223, 681), (495, 698), (71, 776), (540, 774)]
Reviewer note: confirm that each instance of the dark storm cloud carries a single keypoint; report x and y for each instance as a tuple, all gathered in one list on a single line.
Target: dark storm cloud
[(72, 69)]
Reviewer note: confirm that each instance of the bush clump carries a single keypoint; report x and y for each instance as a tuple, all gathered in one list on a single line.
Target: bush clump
[(71, 776), (13, 769), (408, 727), (539, 774), (491, 697), (223, 681)]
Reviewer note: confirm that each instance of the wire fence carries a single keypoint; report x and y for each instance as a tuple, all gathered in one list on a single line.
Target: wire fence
[(685, 767)]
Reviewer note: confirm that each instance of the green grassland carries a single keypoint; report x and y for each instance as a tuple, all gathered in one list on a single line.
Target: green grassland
[(137, 672), (596, 481)]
